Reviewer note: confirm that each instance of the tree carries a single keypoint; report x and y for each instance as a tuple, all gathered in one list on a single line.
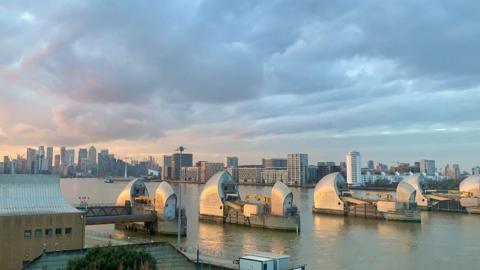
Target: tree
[(113, 258)]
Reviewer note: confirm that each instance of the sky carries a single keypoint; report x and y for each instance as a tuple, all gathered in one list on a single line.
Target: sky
[(395, 80)]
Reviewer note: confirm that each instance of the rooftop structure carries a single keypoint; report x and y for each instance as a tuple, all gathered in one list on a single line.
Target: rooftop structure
[(36, 219)]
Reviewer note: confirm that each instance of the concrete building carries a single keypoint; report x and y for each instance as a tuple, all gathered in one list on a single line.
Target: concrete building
[(452, 171), (354, 170), (208, 169), (190, 174), (427, 166), (272, 175), (187, 161), (297, 166), (231, 162), (167, 167), (274, 163), (35, 219), (250, 175)]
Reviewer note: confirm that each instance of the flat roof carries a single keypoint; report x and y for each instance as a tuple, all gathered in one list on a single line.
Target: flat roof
[(256, 258), (267, 255)]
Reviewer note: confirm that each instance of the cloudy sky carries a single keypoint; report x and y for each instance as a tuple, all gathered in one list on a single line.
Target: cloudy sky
[(395, 80)]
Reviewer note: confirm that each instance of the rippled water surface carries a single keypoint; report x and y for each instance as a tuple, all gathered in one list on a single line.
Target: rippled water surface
[(441, 241)]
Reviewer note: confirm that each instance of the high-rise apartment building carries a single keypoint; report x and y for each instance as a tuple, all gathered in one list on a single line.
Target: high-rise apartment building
[(297, 167), (70, 157), (82, 160), (167, 167), (187, 161), (354, 168), (371, 165), (31, 161), (452, 171), (92, 156), (50, 158), (231, 162), (427, 166), (63, 157), (274, 163)]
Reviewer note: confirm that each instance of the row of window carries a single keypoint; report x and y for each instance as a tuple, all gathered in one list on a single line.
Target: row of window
[(48, 232)]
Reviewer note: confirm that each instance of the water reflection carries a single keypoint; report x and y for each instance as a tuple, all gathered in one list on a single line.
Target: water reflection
[(441, 241)]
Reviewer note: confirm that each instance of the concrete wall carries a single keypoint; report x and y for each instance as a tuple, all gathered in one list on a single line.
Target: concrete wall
[(17, 246)]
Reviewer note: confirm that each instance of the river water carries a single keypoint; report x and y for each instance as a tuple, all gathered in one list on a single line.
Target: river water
[(441, 241)]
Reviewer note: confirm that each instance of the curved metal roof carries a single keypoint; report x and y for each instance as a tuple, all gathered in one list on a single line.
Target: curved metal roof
[(414, 181), (212, 195), (405, 192), (134, 188), (280, 194), (163, 192), (471, 185), (32, 195), (326, 194)]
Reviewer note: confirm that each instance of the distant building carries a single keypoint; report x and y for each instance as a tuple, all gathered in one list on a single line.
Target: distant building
[(50, 158), (274, 163), (36, 219), (249, 174), (371, 165), (57, 162), (190, 174), (92, 157), (82, 160), (326, 168), (63, 157), (312, 175), (231, 162), (208, 169), (476, 170), (31, 161), (354, 171), (272, 175), (297, 166), (452, 171), (6, 165), (427, 166), (167, 167), (187, 161)]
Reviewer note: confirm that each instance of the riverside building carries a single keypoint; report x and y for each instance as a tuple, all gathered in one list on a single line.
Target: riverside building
[(35, 219)]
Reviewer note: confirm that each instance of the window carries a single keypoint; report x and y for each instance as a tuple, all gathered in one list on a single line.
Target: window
[(27, 233), (48, 232), (68, 231), (38, 232), (58, 231)]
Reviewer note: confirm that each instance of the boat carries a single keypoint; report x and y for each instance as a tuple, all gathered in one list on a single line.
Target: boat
[(221, 202)]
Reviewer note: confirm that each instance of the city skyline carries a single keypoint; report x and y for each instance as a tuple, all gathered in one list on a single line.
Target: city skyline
[(250, 79)]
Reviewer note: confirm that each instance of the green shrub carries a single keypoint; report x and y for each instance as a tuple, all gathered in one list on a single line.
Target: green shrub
[(113, 258)]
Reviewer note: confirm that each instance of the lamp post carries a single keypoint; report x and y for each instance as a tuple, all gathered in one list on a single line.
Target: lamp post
[(179, 203)]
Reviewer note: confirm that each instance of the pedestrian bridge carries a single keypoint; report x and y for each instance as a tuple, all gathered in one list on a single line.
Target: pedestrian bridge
[(113, 214)]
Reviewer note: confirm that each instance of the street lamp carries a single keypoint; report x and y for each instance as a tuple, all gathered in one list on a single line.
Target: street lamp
[(179, 203)]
